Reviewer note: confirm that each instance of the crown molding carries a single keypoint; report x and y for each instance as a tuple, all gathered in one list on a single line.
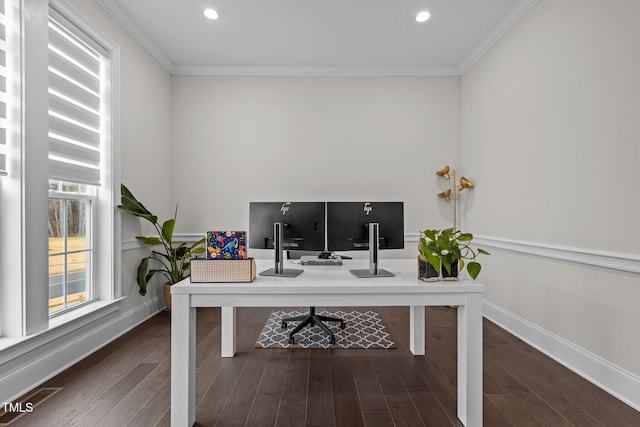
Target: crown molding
[(337, 70), (140, 36), (261, 70), (496, 34)]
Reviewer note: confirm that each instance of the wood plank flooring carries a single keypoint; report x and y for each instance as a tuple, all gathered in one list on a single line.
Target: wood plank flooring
[(127, 382)]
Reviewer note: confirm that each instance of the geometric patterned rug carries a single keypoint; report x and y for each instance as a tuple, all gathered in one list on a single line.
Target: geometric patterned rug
[(364, 329)]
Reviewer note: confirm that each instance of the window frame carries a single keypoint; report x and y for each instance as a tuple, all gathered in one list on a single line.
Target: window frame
[(7, 126), (4, 119), (106, 273), (25, 323)]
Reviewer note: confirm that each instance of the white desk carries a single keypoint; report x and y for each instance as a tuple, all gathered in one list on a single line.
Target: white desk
[(328, 286)]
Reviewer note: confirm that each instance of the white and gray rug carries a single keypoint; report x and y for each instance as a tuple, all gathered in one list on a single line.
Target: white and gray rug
[(364, 329)]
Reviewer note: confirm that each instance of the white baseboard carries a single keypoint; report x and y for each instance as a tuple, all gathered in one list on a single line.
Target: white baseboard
[(614, 380), (29, 376)]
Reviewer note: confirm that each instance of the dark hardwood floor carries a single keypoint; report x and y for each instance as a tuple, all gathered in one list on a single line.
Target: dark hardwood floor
[(127, 382)]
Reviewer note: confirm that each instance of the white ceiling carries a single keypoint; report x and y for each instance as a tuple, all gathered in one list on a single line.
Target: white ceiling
[(368, 37)]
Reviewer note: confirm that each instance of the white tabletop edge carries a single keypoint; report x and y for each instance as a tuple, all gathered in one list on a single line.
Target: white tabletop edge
[(332, 279)]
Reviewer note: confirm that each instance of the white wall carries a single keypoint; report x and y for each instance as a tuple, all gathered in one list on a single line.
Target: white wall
[(241, 139), (551, 134)]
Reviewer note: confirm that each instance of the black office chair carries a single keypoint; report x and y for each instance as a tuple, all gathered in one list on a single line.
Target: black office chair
[(312, 318)]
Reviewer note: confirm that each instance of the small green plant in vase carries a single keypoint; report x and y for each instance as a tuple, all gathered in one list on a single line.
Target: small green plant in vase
[(446, 251)]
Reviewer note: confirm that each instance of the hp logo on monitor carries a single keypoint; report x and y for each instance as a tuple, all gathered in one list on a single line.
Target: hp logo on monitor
[(285, 208), (367, 208)]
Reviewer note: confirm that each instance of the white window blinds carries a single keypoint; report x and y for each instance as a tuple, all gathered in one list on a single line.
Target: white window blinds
[(75, 91), (3, 89)]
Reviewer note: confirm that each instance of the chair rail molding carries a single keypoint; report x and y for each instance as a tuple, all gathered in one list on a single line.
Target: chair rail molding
[(131, 244), (612, 260)]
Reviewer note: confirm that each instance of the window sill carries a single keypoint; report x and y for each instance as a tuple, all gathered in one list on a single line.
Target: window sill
[(59, 326)]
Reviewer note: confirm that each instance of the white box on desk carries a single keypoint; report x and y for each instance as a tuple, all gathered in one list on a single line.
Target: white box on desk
[(223, 270)]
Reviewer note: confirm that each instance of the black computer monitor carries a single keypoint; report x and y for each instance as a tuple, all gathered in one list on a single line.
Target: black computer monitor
[(350, 225), (286, 226), (303, 225)]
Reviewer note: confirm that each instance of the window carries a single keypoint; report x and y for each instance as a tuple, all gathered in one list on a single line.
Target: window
[(61, 76), (70, 244), (79, 164), (5, 48), (3, 90)]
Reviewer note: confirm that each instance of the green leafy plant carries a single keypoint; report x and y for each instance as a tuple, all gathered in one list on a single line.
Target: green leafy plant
[(174, 260), (445, 247)]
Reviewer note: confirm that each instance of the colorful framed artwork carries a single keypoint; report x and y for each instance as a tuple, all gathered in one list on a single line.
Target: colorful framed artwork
[(226, 245)]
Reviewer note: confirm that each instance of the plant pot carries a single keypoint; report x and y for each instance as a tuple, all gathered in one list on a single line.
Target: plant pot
[(166, 292), (426, 271), (454, 272)]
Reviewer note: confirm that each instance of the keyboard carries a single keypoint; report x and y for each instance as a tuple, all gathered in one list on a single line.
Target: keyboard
[(313, 260)]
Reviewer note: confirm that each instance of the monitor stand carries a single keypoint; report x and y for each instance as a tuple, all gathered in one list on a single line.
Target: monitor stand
[(278, 251), (374, 247)]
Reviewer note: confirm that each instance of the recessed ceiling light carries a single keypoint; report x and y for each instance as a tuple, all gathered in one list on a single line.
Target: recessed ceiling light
[(423, 16), (211, 13)]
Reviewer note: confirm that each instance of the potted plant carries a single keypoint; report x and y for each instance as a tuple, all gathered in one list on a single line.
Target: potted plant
[(445, 251), (172, 261)]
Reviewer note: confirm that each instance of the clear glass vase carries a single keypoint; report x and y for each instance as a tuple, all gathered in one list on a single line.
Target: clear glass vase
[(453, 275), (426, 271)]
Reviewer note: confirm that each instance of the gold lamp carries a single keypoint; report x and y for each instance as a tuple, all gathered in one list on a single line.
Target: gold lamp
[(443, 171), (446, 195), (465, 183), (446, 172)]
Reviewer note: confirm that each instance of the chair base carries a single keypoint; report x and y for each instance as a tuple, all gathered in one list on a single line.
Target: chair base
[(312, 319)]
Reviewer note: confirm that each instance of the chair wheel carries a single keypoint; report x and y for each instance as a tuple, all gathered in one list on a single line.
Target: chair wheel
[(342, 325), (283, 325), (291, 340)]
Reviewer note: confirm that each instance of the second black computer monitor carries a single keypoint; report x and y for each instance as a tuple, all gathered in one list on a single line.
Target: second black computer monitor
[(366, 226), (348, 225)]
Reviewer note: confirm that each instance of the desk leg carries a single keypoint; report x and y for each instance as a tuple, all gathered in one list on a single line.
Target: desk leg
[(470, 361), (228, 331), (416, 330), (183, 361)]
